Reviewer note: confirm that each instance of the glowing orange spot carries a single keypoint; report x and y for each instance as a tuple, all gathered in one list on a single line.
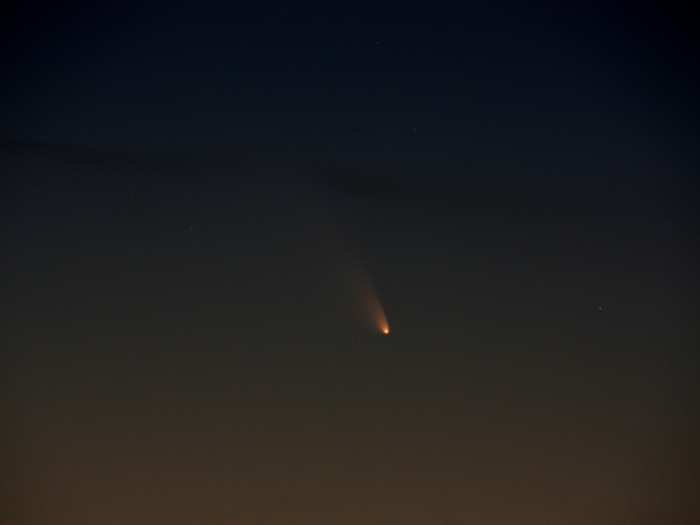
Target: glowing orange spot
[(385, 330)]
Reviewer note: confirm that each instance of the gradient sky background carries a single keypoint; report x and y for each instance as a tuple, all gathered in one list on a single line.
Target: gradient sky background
[(188, 189)]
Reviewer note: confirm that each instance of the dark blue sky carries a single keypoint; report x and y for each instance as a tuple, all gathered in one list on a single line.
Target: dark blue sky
[(350, 79)]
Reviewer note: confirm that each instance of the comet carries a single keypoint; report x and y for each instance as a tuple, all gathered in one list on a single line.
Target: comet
[(379, 316), (368, 302), (352, 271)]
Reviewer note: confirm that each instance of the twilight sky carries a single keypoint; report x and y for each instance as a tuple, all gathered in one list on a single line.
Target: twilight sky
[(193, 204)]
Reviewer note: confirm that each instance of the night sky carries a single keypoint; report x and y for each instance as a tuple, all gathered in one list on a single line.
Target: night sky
[(207, 210)]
